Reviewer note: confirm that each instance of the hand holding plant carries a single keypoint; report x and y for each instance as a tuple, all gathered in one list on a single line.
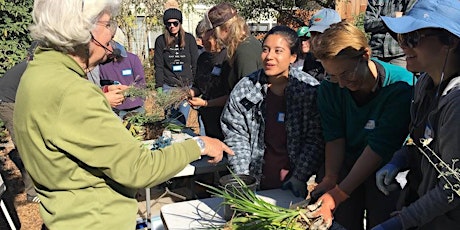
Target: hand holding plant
[(255, 213)]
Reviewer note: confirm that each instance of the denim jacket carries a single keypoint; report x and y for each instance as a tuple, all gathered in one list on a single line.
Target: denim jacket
[(243, 125)]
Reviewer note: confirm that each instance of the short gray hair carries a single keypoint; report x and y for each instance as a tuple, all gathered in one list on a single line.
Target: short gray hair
[(64, 25)]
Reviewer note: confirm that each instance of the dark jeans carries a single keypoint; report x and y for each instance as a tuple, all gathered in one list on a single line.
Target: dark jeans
[(211, 121)]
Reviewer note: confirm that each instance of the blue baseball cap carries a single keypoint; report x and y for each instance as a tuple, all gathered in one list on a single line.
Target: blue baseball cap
[(324, 18), (444, 14)]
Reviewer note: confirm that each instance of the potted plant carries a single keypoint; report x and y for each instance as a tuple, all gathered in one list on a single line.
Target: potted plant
[(151, 124)]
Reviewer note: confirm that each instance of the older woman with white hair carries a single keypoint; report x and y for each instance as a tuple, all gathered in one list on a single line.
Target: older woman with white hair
[(85, 165)]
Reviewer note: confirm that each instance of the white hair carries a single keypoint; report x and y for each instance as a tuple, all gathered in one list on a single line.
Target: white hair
[(66, 24)]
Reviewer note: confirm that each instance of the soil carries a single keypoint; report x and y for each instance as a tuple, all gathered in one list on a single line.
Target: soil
[(28, 212), (153, 130)]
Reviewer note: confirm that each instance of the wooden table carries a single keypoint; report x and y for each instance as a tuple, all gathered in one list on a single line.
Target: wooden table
[(207, 213)]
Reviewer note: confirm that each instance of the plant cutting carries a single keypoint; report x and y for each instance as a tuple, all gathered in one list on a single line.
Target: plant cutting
[(150, 125), (252, 212)]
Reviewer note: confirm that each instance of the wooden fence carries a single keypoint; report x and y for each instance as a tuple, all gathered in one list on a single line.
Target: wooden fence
[(349, 9)]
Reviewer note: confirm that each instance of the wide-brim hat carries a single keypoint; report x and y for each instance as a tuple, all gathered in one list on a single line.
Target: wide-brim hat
[(443, 14)]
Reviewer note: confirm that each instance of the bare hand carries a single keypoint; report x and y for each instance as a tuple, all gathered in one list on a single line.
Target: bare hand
[(215, 149), (115, 97), (192, 93), (117, 87), (197, 101)]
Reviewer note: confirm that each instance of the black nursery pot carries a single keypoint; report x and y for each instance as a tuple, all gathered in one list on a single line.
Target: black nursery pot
[(230, 183)]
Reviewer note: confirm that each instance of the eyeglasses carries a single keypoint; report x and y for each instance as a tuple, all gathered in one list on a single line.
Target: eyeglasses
[(110, 25), (413, 39), (348, 76), (107, 50), (174, 23)]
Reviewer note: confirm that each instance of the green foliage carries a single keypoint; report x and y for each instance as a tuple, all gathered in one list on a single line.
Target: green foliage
[(15, 18), (359, 22), (262, 9), (142, 118), (2, 129), (252, 212)]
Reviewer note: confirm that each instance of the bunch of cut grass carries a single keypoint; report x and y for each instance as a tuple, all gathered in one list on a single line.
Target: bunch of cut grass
[(253, 213)]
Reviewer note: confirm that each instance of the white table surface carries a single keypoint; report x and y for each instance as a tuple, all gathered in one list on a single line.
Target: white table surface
[(206, 213), (189, 169), (200, 166)]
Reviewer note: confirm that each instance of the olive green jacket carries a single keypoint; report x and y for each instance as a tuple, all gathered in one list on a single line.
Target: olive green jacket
[(85, 165)]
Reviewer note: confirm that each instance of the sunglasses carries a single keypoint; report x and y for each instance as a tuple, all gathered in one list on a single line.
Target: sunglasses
[(412, 39), (175, 24)]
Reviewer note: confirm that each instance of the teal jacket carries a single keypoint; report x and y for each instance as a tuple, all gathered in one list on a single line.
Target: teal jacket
[(382, 123), (85, 165)]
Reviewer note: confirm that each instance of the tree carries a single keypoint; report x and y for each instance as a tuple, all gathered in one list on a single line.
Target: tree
[(15, 18), (260, 9), (151, 14)]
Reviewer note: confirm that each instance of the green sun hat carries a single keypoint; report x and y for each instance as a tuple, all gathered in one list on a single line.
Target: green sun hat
[(303, 32)]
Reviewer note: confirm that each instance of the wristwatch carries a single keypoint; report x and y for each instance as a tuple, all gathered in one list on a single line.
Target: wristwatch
[(200, 143)]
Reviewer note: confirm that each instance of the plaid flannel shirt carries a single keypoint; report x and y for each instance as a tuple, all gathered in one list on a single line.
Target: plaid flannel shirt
[(382, 43), (243, 125)]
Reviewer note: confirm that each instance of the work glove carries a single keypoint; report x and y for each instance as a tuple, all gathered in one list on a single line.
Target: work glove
[(393, 223), (326, 205), (325, 185), (297, 187), (385, 178)]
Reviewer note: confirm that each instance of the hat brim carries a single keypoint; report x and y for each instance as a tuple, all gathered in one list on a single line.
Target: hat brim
[(318, 28), (122, 49), (406, 24)]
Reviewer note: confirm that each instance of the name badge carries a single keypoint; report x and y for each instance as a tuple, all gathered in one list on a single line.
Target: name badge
[(177, 68), (127, 72), (370, 125), (216, 71), (280, 118)]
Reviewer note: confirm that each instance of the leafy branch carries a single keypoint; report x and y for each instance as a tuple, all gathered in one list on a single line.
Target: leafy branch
[(444, 170)]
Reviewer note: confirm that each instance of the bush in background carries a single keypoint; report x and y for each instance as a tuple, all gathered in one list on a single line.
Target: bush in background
[(15, 18)]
